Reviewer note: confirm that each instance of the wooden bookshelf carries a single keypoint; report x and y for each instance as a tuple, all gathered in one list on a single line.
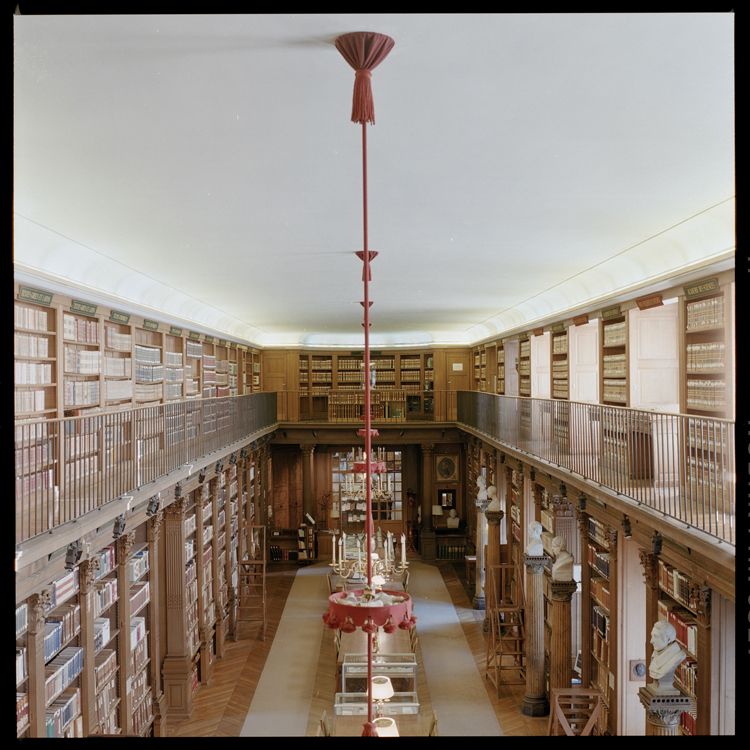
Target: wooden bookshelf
[(599, 617), (627, 451), (559, 371), (480, 368), (614, 375), (707, 322), (500, 388), (524, 366)]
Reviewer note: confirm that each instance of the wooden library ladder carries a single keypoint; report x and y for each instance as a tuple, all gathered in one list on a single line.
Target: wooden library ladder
[(507, 637), (574, 711), (251, 606)]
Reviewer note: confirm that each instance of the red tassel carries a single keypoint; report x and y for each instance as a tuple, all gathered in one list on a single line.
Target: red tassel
[(369, 626), (390, 626), (348, 626), (363, 107), (370, 730)]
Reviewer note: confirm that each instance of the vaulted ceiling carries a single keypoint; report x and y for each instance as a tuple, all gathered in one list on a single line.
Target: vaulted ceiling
[(521, 167)]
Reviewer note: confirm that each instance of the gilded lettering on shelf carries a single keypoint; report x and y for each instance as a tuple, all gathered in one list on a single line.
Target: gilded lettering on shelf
[(700, 288), (119, 317), (193, 335), (39, 297), (611, 312), (83, 308), (150, 325), (175, 331)]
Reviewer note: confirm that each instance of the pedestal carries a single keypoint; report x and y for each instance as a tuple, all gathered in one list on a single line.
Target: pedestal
[(535, 702), (662, 712), (560, 667), (428, 545), (479, 601)]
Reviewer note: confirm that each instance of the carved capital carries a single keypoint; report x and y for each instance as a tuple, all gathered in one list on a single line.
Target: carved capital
[(493, 516), (174, 511), (650, 565), (664, 717), (87, 574), (154, 526), (702, 596), (38, 604), (427, 448), (124, 543), (537, 491), (307, 450), (562, 591), (536, 565), (611, 535), (583, 522)]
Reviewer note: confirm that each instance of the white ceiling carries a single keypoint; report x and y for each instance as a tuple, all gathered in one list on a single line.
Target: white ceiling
[(521, 166)]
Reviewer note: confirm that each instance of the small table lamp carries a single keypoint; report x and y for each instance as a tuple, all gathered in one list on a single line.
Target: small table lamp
[(382, 691), (437, 510), (386, 727)]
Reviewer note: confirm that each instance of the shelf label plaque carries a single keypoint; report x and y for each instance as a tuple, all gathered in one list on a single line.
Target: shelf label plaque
[(193, 335), (175, 331), (150, 325), (538, 332), (700, 288), (83, 308), (580, 320), (37, 296), (611, 312), (646, 303), (209, 339), (118, 317)]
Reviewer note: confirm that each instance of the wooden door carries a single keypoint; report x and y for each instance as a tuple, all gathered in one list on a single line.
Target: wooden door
[(276, 378), (458, 377)]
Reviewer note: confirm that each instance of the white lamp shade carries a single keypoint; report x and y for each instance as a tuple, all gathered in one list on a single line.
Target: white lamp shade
[(378, 581), (334, 514), (437, 510), (386, 727), (382, 689)]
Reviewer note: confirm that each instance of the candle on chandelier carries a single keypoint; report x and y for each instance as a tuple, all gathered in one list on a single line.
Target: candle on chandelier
[(403, 549)]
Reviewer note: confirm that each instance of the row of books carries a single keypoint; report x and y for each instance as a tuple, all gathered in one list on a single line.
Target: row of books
[(279, 554), (101, 633), (149, 373), (598, 532), (451, 551), (705, 313), (706, 394), (106, 699), (560, 388), (32, 373), (615, 390), (702, 482), (31, 458), (209, 362), (525, 349), (209, 376), (615, 334), (600, 621), (81, 467), (118, 389), (61, 712), (222, 366), (137, 631), (208, 533), (30, 484), (81, 330), (22, 711), (61, 671), (689, 722), (139, 595), (81, 361), (625, 421), (706, 356), (676, 584), (524, 367), (106, 595), (140, 655), (22, 618), (614, 365), (118, 367), (600, 590), (29, 401), (560, 344), (193, 349), (29, 317), (599, 560), (190, 548), (26, 433), (191, 572), (81, 393), (148, 391), (189, 525), (60, 628), (106, 557), (138, 564), (140, 684), (524, 388), (708, 436), (173, 375), (21, 664), (62, 589), (560, 368), (683, 621), (26, 345), (172, 390), (143, 714), (113, 339), (686, 675), (173, 359), (149, 355), (79, 445)]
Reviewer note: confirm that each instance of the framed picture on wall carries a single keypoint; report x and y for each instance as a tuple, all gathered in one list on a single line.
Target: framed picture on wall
[(446, 468)]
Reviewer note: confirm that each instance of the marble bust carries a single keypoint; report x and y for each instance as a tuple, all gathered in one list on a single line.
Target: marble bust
[(665, 659), (494, 499), (562, 568), (534, 548), (482, 485), (453, 519)]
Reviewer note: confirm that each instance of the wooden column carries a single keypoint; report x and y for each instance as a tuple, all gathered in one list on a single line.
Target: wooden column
[(583, 530), (508, 478), (535, 702), (308, 501), (427, 546), (704, 686), (176, 669), (560, 668), (479, 602), (157, 601), (123, 546), (650, 565), (220, 591), (38, 604), (207, 615), (536, 491), (87, 571), (614, 632)]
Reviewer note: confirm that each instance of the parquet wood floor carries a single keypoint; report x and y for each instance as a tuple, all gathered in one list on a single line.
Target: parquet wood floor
[(221, 706)]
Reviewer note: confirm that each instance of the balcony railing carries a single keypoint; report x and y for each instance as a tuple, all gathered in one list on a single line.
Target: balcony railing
[(67, 467), (682, 466)]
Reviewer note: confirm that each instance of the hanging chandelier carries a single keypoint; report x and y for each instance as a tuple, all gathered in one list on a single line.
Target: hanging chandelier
[(367, 608)]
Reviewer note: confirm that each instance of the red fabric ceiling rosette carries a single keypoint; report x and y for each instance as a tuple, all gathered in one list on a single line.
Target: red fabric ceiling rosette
[(364, 51)]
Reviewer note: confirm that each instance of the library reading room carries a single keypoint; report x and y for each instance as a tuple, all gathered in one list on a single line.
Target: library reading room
[(325, 427)]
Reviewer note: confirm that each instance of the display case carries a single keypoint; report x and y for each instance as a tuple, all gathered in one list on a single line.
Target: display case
[(401, 669)]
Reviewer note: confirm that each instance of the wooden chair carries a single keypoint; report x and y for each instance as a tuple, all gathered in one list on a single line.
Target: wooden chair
[(573, 711), (413, 640), (325, 725), (433, 726), (330, 583), (405, 581)]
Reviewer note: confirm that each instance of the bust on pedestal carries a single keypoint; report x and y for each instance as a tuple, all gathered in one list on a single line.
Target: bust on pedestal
[(562, 568), (453, 519), (535, 548)]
